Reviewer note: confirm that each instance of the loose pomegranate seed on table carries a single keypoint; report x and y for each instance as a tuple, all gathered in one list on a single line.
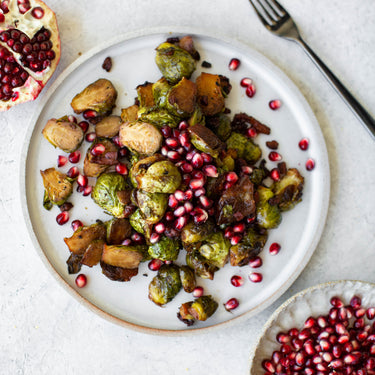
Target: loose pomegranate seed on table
[(73, 172), (250, 91), (76, 224), (198, 292), (255, 277), (155, 264), (256, 262), (245, 82), (274, 156), (90, 137), (62, 218)]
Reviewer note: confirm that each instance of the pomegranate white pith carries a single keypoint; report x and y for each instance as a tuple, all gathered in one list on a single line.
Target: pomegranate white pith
[(29, 50)]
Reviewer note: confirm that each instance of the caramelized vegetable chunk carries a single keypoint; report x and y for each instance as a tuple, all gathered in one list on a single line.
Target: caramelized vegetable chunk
[(57, 186), (145, 95), (93, 253), (118, 229), (182, 97), (210, 96), (130, 114)]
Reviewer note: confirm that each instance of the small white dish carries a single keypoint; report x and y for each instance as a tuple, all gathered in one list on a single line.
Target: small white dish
[(313, 301)]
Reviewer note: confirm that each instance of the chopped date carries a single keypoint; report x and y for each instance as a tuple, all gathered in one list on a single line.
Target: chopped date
[(273, 145)]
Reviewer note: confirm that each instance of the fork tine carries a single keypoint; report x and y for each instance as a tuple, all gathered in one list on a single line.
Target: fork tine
[(266, 11), (279, 7), (260, 15), (275, 12)]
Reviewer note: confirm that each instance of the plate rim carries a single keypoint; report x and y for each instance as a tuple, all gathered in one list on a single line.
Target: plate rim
[(300, 294), (199, 32)]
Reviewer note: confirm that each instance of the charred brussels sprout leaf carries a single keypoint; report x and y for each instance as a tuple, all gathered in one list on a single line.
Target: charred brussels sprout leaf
[(197, 117), (158, 117), (152, 205), (64, 135), (47, 204), (93, 253), (105, 191), (74, 263), (174, 62), (245, 147), (200, 265), (165, 285), (205, 140), (166, 249), (160, 90), (58, 187), (99, 96), (288, 191), (118, 273), (187, 279), (145, 95), (156, 175), (220, 124), (216, 249), (268, 216)]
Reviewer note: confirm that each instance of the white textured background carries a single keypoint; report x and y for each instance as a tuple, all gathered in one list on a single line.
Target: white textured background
[(43, 330)]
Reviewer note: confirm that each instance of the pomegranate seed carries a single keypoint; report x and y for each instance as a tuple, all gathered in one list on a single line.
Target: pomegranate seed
[(303, 144), (245, 82), (137, 238), (122, 152), (72, 118), (206, 158), (180, 150), (76, 224), (189, 155), (172, 201), (274, 104), (2, 17), (89, 114), (210, 171), (155, 264), (304, 334), (370, 313), (180, 222), (255, 262), (197, 161), (359, 313), (196, 184), (74, 157), (250, 91), (310, 322), (169, 216), (183, 125), (198, 292), (199, 192), (87, 191), (81, 280), (176, 133), (336, 302), (356, 302), (82, 180), (274, 156), (268, 366), (228, 232), (188, 207), (275, 174), (184, 140), (200, 215), (352, 359), (62, 218), (90, 137), (164, 150), (234, 64), (121, 169), (98, 149), (173, 155), (172, 143), (235, 239), (231, 304), (61, 161), (179, 195), (231, 177), (255, 277), (186, 167), (282, 338), (239, 228), (73, 172), (247, 170), (310, 164), (309, 347), (154, 238), (322, 321), (179, 211), (274, 248), (159, 228), (84, 125), (166, 131), (205, 202), (300, 359), (251, 132), (293, 332), (189, 194), (237, 280)]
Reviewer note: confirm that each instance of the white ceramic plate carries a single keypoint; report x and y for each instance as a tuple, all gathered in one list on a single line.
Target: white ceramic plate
[(133, 64), (313, 301)]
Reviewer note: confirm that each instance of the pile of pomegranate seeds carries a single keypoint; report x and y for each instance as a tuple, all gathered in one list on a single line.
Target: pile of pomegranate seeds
[(341, 342)]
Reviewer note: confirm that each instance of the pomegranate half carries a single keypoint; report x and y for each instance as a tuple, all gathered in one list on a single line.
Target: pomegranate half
[(29, 50)]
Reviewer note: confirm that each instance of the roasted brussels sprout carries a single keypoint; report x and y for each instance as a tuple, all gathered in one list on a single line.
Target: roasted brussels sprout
[(93, 253), (105, 191), (118, 273), (140, 137), (166, 249), (156, 175), (236, 202), (99, 96), (174, 62), (192, 233), (145, 95), (187, 277), (197, 117), (108, 127), (84, 236), (205, 140), (130, 114), (245, 147), (288, 191), (216, 249), (65, 135), (259, 173), (210, 96), (118, 229), (158, 117), (74, 263), (268, 216), (200, 265), (94, 165), (160, 90), (152, 205), (200, 309), (121, 256), (250, 246), (165, 285), (58, 187), (139, 224), (220, 125), (181, 98)]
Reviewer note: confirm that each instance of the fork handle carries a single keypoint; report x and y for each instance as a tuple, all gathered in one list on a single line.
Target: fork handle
[(366, 119)]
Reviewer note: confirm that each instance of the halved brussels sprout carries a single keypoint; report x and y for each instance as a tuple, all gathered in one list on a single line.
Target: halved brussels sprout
[(139, 224), (130, 114), (188, 281), (166, 249), (140, 137), (288, 191), (165, 285), (121, 256), (205, 140), (58, 187), (216, 249), (192, 233), (250, 246), (65, 135), (99, 96), (200, 309), (245, 147), (158, 117), (156, 175), (197, 117), (93, 253), (220, 124), (145, 95), (181, 98), (210, 96), (118, 229), (200, 265), (174, 62), (108, 127), (105, 191), (268, 216), (152, 205), (160, 90)]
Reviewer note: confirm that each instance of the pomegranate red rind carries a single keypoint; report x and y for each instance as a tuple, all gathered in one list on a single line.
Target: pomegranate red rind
[(29, 50)]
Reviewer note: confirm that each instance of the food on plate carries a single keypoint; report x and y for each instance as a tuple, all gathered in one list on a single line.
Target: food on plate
[(182, 180), (29, 50)]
